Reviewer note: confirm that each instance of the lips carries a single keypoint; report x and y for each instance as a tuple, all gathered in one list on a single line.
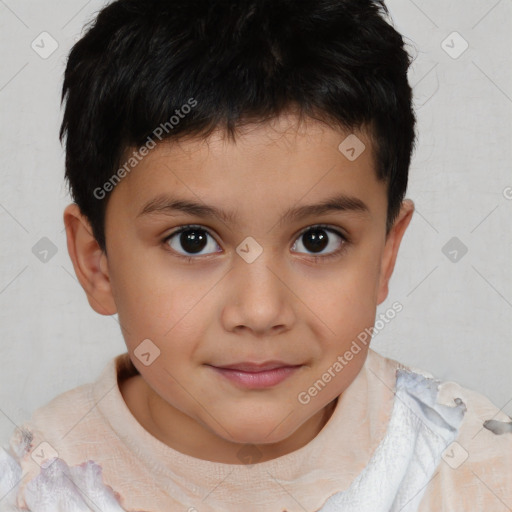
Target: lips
[(251, 375), (255, 367)]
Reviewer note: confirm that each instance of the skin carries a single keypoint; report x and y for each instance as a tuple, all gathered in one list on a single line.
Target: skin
[(219, 309)]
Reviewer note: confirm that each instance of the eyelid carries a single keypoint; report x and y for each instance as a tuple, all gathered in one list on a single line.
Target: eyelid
[(339, 231), (189, 258), (345, 241), (186, 227), (334, 229)]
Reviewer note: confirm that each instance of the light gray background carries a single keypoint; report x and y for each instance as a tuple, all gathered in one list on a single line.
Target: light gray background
[(456, 315)]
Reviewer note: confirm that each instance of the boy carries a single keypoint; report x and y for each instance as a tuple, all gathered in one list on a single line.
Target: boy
[(238, 172)]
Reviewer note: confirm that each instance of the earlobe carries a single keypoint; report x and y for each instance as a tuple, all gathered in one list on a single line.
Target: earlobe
[(89, 261), (393, 241)]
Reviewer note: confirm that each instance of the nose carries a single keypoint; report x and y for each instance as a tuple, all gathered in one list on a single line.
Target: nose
[(259, 299)]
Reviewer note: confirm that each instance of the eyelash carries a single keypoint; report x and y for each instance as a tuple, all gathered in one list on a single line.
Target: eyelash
[(326, 257)]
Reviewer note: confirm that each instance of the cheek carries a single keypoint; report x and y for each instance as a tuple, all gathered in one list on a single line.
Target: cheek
[(162, 303), (149, 302), (347, 302), (364, 274), (350, 313)]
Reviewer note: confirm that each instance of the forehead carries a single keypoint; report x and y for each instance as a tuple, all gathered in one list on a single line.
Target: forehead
[(268, 165)]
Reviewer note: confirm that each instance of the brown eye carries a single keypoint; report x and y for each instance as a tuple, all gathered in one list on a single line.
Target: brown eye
[(191, 240), (317, 239)]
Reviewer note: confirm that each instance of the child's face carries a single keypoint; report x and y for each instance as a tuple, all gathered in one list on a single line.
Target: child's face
[(219, 307)]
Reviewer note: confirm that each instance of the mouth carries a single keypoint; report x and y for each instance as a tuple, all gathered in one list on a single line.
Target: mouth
[(256, 376)]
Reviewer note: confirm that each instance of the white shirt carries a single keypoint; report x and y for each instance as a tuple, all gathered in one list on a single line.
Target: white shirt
[(395, 441)]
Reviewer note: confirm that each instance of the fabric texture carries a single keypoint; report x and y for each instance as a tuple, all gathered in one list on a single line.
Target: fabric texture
[(397, 440)]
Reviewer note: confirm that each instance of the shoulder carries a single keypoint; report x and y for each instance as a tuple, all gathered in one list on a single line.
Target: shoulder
[(66, 419), (475, 470), (10, 475), (52, 454), (24, 459), (33, 446)]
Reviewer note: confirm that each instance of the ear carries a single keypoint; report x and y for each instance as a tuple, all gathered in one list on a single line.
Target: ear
[(390, 253), (89, 261)]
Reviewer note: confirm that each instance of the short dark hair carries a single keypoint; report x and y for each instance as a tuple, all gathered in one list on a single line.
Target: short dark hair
[(237, 61)]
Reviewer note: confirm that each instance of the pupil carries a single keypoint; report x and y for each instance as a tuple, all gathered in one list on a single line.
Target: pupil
[(193, 241), (315, 240)]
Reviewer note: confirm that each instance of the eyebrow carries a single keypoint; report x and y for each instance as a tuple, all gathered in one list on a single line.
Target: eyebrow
[(168, 205)]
